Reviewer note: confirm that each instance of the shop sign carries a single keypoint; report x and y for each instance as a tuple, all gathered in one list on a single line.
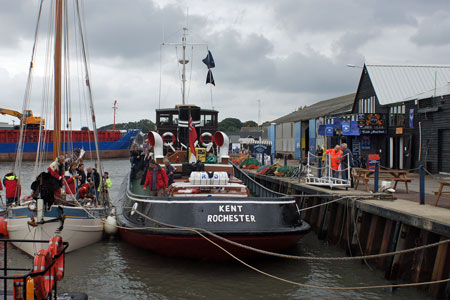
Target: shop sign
[(259, 148), (373, 131), (372, 123)]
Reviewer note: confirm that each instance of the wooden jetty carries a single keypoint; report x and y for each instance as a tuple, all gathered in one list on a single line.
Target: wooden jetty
[(365, 223)]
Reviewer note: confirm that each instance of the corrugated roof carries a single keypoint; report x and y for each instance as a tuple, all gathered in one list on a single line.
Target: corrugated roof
[(323, 108), (397, 83)]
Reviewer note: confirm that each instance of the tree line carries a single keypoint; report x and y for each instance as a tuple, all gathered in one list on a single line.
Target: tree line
[(227, 124)]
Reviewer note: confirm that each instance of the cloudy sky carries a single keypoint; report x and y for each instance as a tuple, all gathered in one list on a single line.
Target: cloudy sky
[(286, 53)]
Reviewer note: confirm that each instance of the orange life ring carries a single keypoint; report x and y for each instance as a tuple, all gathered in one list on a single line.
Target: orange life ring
[(206, 134), (55, 246), (168, 133), (44, 283)]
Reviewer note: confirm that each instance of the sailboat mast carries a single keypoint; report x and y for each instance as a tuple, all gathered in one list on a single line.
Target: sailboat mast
[(183, 42), (57, 71)]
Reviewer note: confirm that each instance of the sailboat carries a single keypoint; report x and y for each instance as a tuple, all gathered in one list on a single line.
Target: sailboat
[(207, 205), (31, 218)]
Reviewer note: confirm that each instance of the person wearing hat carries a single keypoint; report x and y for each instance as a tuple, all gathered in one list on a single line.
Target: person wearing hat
[(12, 188)]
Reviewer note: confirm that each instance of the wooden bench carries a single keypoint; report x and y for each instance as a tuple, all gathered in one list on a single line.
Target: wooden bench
[(365, 175), (439, 193)]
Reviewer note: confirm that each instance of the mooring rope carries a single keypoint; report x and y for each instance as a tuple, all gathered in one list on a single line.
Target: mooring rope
[(200, 232)]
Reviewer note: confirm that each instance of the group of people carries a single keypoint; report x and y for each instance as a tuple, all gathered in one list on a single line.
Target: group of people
[(152, 176), (77, 182), (341, 160), (66, 175)]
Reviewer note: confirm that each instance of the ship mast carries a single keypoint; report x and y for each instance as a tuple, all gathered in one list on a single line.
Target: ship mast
[(57, 71), (184, 62)]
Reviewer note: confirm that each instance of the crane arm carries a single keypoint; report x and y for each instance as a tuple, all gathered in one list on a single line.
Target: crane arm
[(10, 112)]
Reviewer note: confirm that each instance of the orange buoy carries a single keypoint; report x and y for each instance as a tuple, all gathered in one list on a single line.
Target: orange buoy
[(44, 283), (55, 247)]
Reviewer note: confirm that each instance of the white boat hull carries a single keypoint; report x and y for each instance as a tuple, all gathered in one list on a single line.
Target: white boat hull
[(79, 229)]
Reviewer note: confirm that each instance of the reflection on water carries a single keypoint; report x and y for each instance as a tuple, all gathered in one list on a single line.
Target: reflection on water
[(112, 269)]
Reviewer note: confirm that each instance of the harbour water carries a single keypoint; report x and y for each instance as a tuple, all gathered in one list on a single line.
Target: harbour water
[(112, 269)]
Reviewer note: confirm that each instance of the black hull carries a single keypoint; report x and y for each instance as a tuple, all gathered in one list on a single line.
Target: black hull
[(271, 224)]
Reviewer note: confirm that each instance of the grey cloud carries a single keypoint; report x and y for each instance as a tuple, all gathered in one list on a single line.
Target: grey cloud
[(433, 30)]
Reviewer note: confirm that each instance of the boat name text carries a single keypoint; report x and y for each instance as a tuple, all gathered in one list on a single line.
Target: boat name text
[(231, 218)]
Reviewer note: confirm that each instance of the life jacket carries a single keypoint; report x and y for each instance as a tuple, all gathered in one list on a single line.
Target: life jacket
[(12, 186), (335, 158)]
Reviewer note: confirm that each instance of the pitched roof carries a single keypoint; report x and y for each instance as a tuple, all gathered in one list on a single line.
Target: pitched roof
[(323, 108), (397, 83)]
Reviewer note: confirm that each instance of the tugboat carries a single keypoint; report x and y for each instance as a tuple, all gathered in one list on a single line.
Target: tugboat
[(205, 198)]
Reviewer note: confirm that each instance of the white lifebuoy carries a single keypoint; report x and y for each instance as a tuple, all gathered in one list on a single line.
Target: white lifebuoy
[(168, 133), (210, 136)]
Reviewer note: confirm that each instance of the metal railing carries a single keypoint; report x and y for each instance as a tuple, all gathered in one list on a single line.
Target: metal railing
[(255, 187), (30, 273)]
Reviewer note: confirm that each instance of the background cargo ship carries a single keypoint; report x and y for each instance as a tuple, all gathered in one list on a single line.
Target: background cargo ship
[(112, 143)]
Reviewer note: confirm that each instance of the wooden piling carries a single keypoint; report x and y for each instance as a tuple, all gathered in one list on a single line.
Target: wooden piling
[(439, 268)]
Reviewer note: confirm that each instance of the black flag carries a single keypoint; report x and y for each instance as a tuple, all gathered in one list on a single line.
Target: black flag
[(210, 78), (209, 60)]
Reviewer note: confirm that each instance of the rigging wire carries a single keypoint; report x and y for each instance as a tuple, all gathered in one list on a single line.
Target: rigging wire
[(89, 90), (26, 99)]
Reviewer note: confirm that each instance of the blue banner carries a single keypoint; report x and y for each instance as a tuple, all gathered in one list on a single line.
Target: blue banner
[(411, 118), (329, 130), (346, 128), (321, 129), (354, 128), (337, 123)]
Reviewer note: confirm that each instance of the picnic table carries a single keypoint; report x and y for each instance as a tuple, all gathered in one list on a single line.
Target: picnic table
[(365, 175), (439, 193)]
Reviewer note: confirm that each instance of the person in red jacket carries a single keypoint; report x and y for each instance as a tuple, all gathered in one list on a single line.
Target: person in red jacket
[(156, 179), (71, 177), (56, 169), (85, 191), (12, 188)]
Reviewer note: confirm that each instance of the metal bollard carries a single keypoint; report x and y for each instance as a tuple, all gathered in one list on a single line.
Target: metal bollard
[(271, 159), (285, 160), (319, 170), (262, 158), (375, 181), (422, 184)]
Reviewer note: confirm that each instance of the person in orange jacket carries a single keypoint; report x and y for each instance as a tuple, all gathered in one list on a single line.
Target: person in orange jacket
[(335, 159)]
